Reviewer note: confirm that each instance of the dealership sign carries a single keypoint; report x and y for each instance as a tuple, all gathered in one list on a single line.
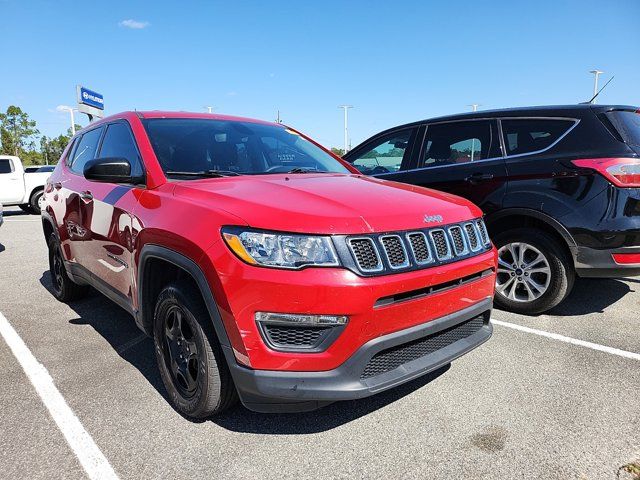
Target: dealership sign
[(90, 102)]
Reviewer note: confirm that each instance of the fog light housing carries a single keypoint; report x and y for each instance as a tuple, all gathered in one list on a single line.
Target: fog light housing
[(296, 332), (301, 319)]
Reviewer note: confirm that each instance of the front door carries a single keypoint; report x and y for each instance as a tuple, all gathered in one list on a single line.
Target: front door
[(105, 214)]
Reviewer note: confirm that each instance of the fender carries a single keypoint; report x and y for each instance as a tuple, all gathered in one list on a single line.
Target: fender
[(144, 315), (543, 217)]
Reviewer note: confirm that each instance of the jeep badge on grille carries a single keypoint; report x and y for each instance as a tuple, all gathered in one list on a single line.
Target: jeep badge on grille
[(433, 219)]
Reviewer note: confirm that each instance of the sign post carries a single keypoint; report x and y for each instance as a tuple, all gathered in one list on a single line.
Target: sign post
[(90, 102)]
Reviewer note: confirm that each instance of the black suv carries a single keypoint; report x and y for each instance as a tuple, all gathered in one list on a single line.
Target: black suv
[(558, 185)]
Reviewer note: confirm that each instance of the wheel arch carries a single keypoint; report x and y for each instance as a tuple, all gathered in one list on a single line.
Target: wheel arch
[(156, 266), (524, 217)]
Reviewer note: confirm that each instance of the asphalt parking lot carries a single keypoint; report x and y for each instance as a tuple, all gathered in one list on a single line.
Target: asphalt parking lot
[(523, 405)]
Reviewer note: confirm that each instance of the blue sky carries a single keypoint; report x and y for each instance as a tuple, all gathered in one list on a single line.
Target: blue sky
[(394, 61)]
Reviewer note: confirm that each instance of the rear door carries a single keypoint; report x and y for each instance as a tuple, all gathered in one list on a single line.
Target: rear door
[(463, 158), (537, 179), (11, 182)]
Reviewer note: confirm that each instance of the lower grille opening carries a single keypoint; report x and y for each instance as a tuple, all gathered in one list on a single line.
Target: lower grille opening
[(393, 357), (423, 292), (298, 337)]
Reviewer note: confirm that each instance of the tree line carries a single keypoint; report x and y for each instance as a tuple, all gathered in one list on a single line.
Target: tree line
[(20, 136)]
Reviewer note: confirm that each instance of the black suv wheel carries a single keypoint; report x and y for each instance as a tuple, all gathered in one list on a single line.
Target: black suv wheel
[(534, 272), (189, 356), (64, 289)]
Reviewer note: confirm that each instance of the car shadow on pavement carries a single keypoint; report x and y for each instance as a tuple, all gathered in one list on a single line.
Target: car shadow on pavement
[(591, 295), (119, 329), (16, 213), (2, 248)]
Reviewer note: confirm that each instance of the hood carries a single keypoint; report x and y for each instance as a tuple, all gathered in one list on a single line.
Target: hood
[(327, 203)]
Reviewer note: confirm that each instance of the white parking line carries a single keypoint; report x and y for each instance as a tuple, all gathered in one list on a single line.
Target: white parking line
[(91, 458), (573, 341)]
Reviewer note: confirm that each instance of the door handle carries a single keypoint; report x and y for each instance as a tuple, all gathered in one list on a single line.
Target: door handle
[(86, 197), (479, 178)]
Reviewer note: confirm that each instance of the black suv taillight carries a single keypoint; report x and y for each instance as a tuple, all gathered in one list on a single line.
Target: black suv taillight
[(622, 172)]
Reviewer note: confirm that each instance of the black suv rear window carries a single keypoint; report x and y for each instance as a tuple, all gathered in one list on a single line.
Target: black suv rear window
[(532, 134), (627, 124)]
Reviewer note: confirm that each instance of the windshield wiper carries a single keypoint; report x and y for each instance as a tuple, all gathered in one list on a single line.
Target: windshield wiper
[(205, 173), (303, 170)]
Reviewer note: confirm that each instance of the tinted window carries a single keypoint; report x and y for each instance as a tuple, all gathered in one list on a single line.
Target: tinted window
[(5, 165), (531, 135), (385, 154), (118, 142), (627, 124), (195, 145), (86, 150), (456, 142)]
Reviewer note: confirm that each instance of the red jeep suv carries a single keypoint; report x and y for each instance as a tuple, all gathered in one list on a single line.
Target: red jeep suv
[(263, 266)]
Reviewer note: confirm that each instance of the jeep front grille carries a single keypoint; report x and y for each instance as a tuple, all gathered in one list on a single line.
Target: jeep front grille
[(399, 251), (366, 254)]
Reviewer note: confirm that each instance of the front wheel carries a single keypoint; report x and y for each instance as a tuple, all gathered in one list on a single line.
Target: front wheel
[(534, 272), (189, 357)]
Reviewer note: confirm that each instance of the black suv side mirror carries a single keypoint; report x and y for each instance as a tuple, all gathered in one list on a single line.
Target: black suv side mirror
[(111, 170)]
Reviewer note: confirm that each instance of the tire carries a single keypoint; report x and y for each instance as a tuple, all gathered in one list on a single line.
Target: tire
[(34, 202), (189, 356), (556, 276), (64, 289)]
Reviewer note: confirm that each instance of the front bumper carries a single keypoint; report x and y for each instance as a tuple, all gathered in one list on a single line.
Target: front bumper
[(599, 263), (270, 391)]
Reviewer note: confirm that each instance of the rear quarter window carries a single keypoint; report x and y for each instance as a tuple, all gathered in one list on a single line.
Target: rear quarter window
[(522, 136), (627, 124), (5, 165)]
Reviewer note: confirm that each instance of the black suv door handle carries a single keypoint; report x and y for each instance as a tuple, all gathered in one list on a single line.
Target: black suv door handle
[(479, 178)]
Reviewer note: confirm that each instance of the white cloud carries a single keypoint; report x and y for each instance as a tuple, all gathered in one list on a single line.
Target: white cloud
[(232, 94), (134, 24)]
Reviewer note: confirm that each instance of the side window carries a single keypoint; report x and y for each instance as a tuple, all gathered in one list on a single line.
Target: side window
[(456, 142), (118, 142), (86, 150), (5, 165), (70, 153), (530, 135), (386, 154)]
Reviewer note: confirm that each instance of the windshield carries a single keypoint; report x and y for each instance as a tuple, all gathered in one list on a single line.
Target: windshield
[(192, 146)]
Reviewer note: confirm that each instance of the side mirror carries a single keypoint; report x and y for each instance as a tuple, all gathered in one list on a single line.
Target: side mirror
[(111, 170)]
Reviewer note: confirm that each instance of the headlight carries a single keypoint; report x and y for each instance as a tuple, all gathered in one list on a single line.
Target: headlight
[(283, 250)]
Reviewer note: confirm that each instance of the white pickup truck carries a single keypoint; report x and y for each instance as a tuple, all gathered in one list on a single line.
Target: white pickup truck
[(20, 188)]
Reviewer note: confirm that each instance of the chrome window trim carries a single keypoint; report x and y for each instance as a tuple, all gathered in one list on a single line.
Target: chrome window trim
[(431, 258), (575, 121), (503, 146), (380, 265), (478, 236), (406, 262), (465, 243), (449, 256)]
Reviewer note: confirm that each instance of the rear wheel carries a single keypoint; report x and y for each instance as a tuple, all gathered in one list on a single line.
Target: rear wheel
[(534, 272), (191, 362), (36, 203), (64, 289)]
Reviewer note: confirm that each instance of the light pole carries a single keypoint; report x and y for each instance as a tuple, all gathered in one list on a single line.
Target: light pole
[(596, 74), (346, 126), (65, 108)]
